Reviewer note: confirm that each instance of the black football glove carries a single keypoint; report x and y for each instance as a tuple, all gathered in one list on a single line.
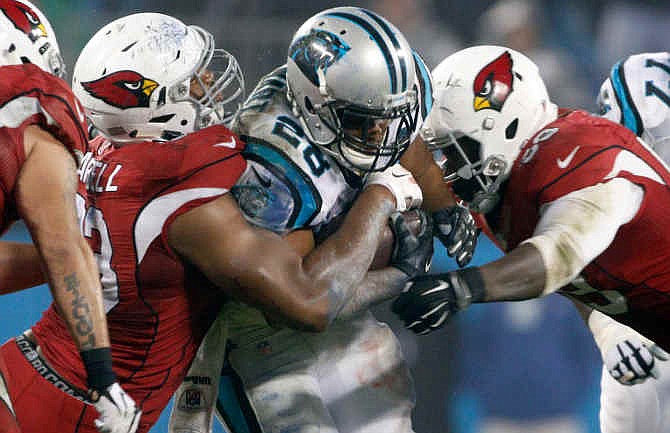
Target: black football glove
[(457, 230), (429, 300), (412, 253)]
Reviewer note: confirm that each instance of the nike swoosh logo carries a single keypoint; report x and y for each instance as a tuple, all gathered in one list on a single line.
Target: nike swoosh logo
[(399, 175), (266, 183), (563, 163), (232, 143)]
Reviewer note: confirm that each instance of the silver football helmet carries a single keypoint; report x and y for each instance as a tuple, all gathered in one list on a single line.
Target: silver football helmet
[(149, 76), (350, 77), (636, 95)]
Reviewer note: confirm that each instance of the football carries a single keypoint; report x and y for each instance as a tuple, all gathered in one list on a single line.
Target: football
[(387, 242)]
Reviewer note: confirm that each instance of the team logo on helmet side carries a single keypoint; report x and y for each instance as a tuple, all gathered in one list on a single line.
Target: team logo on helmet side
[(317, 50), (24, 19), (493, 84), (122, 89)]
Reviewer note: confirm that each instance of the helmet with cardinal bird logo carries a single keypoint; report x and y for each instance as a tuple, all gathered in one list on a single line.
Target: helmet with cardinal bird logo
[(488, 101), (149, 76), (26, 36)]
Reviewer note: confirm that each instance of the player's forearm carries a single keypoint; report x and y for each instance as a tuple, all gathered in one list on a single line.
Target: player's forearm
[(377, 287), (516, 276), (340, 263), (20, 267), (50, 215), (76, 290), (419, 161)]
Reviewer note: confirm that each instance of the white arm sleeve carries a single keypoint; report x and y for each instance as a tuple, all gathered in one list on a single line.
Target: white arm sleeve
[(576, 228)]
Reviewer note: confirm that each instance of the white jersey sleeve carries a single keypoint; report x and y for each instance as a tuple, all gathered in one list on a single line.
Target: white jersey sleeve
[(289, 183), (637, 95)]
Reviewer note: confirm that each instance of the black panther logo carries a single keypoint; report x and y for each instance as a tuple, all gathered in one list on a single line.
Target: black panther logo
[(317, 50)]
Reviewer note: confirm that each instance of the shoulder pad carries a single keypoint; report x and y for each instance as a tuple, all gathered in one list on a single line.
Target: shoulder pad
[(180, 158), (29, 93), (268, 96), (276, 192), (576, 151)]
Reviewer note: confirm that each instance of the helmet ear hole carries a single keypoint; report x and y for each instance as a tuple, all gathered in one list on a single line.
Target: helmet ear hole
[(510, 131)]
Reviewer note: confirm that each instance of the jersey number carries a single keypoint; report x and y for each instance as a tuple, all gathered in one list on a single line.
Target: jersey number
[(290, 131), (94, 229)]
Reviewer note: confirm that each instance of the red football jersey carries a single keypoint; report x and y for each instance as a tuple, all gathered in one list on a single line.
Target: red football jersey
[(31, 96), (630, 280), (158, 308)]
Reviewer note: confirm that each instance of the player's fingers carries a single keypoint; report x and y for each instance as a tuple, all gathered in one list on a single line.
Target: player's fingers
[(659, 353), (426, 223), (627, 378), (400, 303), (418, 327), (464, 258), (136, 420), (452, 248), (655, 372), (616, 372), (400, 226)]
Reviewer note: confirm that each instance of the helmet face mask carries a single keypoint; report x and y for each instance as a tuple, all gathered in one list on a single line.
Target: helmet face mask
[(148, 76), (489, 101), (474, 180), (368, 140), (349, 76), (26, 36), (217, 86)]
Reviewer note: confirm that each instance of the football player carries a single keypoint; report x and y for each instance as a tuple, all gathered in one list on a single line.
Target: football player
[(42, 125), (169, 241), (635, 95), (576, 199), (341, 112)]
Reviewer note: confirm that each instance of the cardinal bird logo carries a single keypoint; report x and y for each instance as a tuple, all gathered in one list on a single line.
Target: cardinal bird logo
[(493, 84), (24, 19), (122, 89)]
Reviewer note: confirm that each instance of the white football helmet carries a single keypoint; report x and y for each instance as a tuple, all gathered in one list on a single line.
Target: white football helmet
[(636, 94), (26, 36), (149, 76), (488, 101), (350, 76)]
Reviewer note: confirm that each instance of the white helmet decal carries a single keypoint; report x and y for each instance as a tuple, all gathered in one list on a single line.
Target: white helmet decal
[(122, 89), (494, 83), (26, 36), (149, 76), (488, 101)]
